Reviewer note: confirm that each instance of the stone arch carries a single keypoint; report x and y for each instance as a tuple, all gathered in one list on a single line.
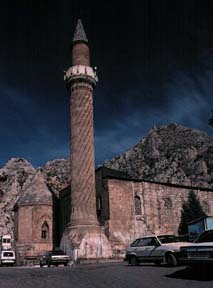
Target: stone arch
[(45, 231), (38, 228), (42, 218)]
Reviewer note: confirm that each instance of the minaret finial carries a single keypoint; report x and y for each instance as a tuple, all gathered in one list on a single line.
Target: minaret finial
[(79, 35)]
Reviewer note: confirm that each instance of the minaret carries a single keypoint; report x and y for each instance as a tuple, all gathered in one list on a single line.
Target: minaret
[(83, 237)]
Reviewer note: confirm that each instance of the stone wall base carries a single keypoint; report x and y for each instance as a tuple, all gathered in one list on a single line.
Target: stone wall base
[(86, 243), (30, 249)]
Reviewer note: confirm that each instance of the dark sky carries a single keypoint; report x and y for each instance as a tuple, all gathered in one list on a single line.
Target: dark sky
[(155, 67)]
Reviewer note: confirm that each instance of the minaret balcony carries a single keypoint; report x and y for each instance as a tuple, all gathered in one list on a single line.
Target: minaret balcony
[(81, 73)]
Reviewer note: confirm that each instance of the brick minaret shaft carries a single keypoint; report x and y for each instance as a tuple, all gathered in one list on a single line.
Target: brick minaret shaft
[(81, 80)]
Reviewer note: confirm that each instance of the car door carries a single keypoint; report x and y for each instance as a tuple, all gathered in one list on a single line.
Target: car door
[(145, 247), (152, 244)]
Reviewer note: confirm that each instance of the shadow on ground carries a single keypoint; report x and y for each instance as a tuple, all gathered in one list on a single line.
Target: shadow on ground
[(199, 274)]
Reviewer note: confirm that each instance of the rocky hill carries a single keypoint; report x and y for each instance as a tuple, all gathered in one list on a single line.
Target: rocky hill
[(172, 153), (16, 174), (57, 174), (13, 177)]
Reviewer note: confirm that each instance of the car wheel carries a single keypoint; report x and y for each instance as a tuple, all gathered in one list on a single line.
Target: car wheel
[(171, 260), (133, 261), (65, 264), (41, 265)]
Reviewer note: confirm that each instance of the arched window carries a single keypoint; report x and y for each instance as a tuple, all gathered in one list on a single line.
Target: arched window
[(167, 203), (137, 205), (45, 231)]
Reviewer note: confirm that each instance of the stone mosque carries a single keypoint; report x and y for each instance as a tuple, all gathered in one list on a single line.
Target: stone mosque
[(103, 210)]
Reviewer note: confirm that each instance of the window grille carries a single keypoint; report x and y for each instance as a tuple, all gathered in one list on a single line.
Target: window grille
[(137, 205)]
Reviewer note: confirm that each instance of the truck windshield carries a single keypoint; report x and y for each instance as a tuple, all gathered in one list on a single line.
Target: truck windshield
[(207, 236)]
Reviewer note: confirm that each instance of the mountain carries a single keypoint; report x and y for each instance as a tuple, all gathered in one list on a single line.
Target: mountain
[(16, 174), (57, 174), (173, 153)]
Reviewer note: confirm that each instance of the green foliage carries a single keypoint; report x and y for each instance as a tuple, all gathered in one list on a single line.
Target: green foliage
[(191, 210)]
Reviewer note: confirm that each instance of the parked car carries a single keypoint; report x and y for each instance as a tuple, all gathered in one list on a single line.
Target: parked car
[(54, 257), (156, 249), (200, 251), (7, 257)]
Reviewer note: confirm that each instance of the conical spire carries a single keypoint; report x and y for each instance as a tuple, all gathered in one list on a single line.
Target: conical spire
[(79, 35), (36, 192)]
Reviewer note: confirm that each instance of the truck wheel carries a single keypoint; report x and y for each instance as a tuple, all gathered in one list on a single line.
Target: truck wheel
[(171, 260), (133, 261)]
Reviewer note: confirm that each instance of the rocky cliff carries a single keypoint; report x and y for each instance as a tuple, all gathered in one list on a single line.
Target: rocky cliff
[(57, 174), (16, 174), (13, 177), (172, 153)]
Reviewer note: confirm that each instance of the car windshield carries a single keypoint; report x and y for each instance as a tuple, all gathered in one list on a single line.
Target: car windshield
[(167, 239), (207, 236), (58, 252), (8, 254)]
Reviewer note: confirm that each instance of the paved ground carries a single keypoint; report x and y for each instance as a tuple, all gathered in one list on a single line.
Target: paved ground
[(113, 275)]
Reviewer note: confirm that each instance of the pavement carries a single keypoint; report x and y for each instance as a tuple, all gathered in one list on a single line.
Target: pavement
[(113, 275)]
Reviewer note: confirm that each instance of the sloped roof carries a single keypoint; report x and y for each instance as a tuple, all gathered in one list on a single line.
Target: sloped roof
[(36, 192), (108, 172)]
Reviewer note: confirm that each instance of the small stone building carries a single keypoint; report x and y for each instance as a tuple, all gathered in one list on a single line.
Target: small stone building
[(34, 219)]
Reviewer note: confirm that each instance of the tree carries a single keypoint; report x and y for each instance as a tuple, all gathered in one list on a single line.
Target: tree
[(191, 210)]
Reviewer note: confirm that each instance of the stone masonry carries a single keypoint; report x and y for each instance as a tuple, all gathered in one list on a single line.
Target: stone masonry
[(83, 237), (160, 211), (34, 219)]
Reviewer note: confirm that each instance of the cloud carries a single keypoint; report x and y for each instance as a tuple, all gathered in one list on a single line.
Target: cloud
[(184, 99), (190, 100), (17, 98)]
